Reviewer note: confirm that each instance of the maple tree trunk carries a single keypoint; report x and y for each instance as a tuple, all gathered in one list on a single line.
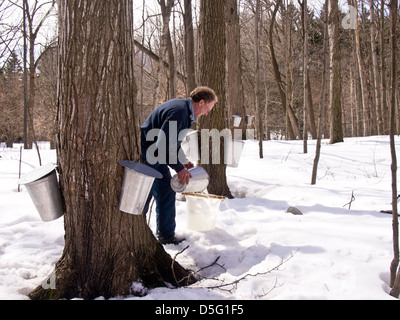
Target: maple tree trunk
[(189, 47), (212, 74), (335, 91), (234, 85), (394, 271), (106, 250)]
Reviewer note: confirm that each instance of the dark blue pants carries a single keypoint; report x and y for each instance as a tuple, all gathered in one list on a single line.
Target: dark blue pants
[(164, 198)]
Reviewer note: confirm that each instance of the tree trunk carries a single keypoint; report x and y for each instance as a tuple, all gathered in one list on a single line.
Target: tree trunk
[(310, 110), (394, 273), (353, 102), (375, 69), (322, 105), (289, 67), (212, 74), (141, 115), (305, 73), (234, 85), (166, 46), (384, 106), (292, 123), (259, 107), (366, 114), (357, 97), (336, 131), (25, 79), (106, 250), (189, 47)]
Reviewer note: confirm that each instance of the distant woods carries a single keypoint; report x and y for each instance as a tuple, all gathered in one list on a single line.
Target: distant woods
[(274, 69)]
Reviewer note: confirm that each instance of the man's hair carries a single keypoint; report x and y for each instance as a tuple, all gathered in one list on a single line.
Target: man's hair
[(204, 93)]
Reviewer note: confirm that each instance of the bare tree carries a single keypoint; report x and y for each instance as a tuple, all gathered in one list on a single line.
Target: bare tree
[(234, 85), (257, 90), (322, 103), (384, 106), (105, 250), (166, 48), (375, 69), (336, 130), (212, 74), (394, 272), (304, 14), (189, 47), (292, 125), (35, 16), (364, 97), (8, 32)]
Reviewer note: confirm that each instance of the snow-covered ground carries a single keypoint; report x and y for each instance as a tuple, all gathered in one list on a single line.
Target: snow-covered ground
[(329, 252)]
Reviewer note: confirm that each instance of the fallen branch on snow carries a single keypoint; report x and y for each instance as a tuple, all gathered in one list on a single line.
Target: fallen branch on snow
[(234, 284)]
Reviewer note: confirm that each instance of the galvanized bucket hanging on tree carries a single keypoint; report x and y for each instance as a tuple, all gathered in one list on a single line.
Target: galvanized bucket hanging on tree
[(42, 186), (136, 186)]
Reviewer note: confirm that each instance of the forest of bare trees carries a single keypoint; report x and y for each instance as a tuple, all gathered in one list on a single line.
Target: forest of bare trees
[(272, 64), (267, 81), (303, 69)]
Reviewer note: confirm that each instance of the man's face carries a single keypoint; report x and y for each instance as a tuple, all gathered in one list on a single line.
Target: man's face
[(203, 109)]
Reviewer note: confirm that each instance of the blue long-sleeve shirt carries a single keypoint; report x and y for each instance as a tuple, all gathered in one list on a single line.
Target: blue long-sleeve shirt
[(168, 120)]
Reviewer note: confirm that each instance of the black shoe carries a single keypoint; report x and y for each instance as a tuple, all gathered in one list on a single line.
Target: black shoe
[(171, 240)]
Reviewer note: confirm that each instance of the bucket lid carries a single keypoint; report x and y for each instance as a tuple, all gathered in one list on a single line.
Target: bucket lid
[(37, 174), (141, 168)]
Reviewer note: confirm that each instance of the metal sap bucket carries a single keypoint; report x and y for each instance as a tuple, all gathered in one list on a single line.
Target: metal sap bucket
[(190, 146), (42, 186), (136, 186), (236, 120), (233, 152), (249, 120), (198, 182)]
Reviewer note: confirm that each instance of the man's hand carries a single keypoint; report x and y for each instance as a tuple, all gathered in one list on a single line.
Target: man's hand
[(184, 176)]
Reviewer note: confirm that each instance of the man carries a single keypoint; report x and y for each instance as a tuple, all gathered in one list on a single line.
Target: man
[(161, 150)]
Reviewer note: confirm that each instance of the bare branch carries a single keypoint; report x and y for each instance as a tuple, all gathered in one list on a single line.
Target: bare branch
[(173, 264), (233, 284)]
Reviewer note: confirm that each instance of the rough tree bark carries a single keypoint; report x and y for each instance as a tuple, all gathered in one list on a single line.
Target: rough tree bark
[(304, 13), (189, 47), (212, 74), (335, 94), (384, 106), (257, 80), (106, 250), (234, 85), (322, 104), (166, 46), (375, 68), (366, 113), (394, 272)]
